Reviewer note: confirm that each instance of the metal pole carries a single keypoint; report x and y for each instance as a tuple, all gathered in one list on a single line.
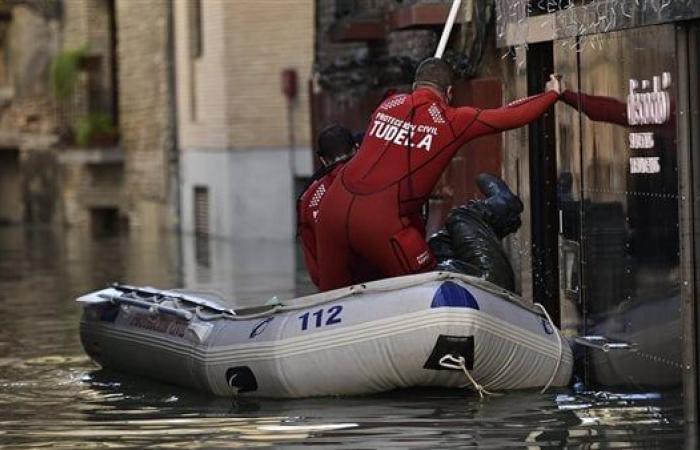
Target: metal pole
[(448, 28)]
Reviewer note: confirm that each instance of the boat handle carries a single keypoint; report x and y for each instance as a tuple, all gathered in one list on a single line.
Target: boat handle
[(153, 307), (174, 295)]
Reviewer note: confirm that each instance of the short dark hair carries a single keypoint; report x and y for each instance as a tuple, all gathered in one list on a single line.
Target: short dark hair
[(335, 142), (435, 72)]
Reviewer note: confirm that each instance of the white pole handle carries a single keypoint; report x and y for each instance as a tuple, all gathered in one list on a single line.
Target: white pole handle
[(448, 28)]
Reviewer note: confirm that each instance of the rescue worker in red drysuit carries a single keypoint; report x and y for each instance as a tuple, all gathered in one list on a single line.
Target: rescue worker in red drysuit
[(607, 109), (336, 145), (373, 207)]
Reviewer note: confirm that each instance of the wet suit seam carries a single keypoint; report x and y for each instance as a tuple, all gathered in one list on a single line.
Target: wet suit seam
[(490, 126), (347, 228)]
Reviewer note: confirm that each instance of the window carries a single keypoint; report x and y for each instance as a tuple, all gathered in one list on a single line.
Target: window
[(201, 210), (344, 8), (195, 33), (4, 51), (195, 29)]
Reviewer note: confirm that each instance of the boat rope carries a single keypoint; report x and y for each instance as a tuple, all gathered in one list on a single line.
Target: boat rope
[(450, 361), (559, 343)]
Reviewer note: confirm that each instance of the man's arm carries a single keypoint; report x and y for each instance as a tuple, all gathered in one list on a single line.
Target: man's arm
[(598, 108), (515, 115)]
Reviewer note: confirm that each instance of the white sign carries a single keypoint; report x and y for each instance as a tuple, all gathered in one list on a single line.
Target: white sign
[(646, 108), (645, 165), (641, 140)]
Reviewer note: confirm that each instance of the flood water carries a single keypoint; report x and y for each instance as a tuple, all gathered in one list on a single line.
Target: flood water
[(53, 396)]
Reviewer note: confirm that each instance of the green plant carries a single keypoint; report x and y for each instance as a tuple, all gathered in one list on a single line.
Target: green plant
[(90, 127), (64, 71)]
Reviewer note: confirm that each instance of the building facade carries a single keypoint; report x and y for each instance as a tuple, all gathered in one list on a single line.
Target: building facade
[(243, 141), (87, 124)]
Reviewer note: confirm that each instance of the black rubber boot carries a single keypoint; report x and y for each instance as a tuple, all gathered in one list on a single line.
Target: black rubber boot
[(504, 206)]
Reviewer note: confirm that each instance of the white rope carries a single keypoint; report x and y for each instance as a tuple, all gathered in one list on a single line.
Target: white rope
[(459, 363), (561, 348)]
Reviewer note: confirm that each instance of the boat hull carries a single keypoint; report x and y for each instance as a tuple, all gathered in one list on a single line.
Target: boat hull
[(361, 340)]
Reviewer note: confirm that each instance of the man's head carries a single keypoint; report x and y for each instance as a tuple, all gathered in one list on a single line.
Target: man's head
[(435, 74), (335, 143)]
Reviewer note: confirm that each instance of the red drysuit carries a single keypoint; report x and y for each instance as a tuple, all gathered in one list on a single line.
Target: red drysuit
[(605, 109), (307, 222), (373, 207), (307, 210), (597, 108)]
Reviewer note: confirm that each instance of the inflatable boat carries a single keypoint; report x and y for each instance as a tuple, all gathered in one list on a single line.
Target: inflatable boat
[(434, 329)]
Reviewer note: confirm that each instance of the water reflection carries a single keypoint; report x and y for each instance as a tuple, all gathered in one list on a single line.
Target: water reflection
[(51, 395)]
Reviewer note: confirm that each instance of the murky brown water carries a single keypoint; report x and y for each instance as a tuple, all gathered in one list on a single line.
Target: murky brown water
[(53, 396)]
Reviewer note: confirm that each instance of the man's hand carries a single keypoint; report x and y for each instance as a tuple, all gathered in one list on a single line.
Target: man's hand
[(555, 83)]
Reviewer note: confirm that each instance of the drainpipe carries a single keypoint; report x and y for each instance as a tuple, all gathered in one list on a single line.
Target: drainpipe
[(174, 145), (288, 79)]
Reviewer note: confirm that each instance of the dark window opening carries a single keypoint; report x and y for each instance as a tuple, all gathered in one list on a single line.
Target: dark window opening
[(345, 8), (106, 221), (201, 210), (10, 187), (114, 68), (195, 32)]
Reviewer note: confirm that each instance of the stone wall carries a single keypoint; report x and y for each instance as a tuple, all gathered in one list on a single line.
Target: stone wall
[(60, 183), (233, 127), (261, 41), (28, 115), (30, 43)]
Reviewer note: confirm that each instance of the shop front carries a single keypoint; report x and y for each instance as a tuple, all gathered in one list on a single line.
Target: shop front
[(614, 170)]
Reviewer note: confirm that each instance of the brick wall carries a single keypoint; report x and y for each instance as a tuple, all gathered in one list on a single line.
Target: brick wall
[(201, 82), (230, 96), (26, 105), (145, 102), (263, 39)]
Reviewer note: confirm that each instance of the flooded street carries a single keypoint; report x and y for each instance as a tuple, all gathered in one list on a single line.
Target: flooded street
[(53, 396)]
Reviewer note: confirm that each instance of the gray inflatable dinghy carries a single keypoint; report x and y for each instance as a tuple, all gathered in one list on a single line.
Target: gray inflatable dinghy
[(434, 329)]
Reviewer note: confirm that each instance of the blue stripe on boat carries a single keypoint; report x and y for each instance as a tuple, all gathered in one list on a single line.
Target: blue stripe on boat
[(453, 295)]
